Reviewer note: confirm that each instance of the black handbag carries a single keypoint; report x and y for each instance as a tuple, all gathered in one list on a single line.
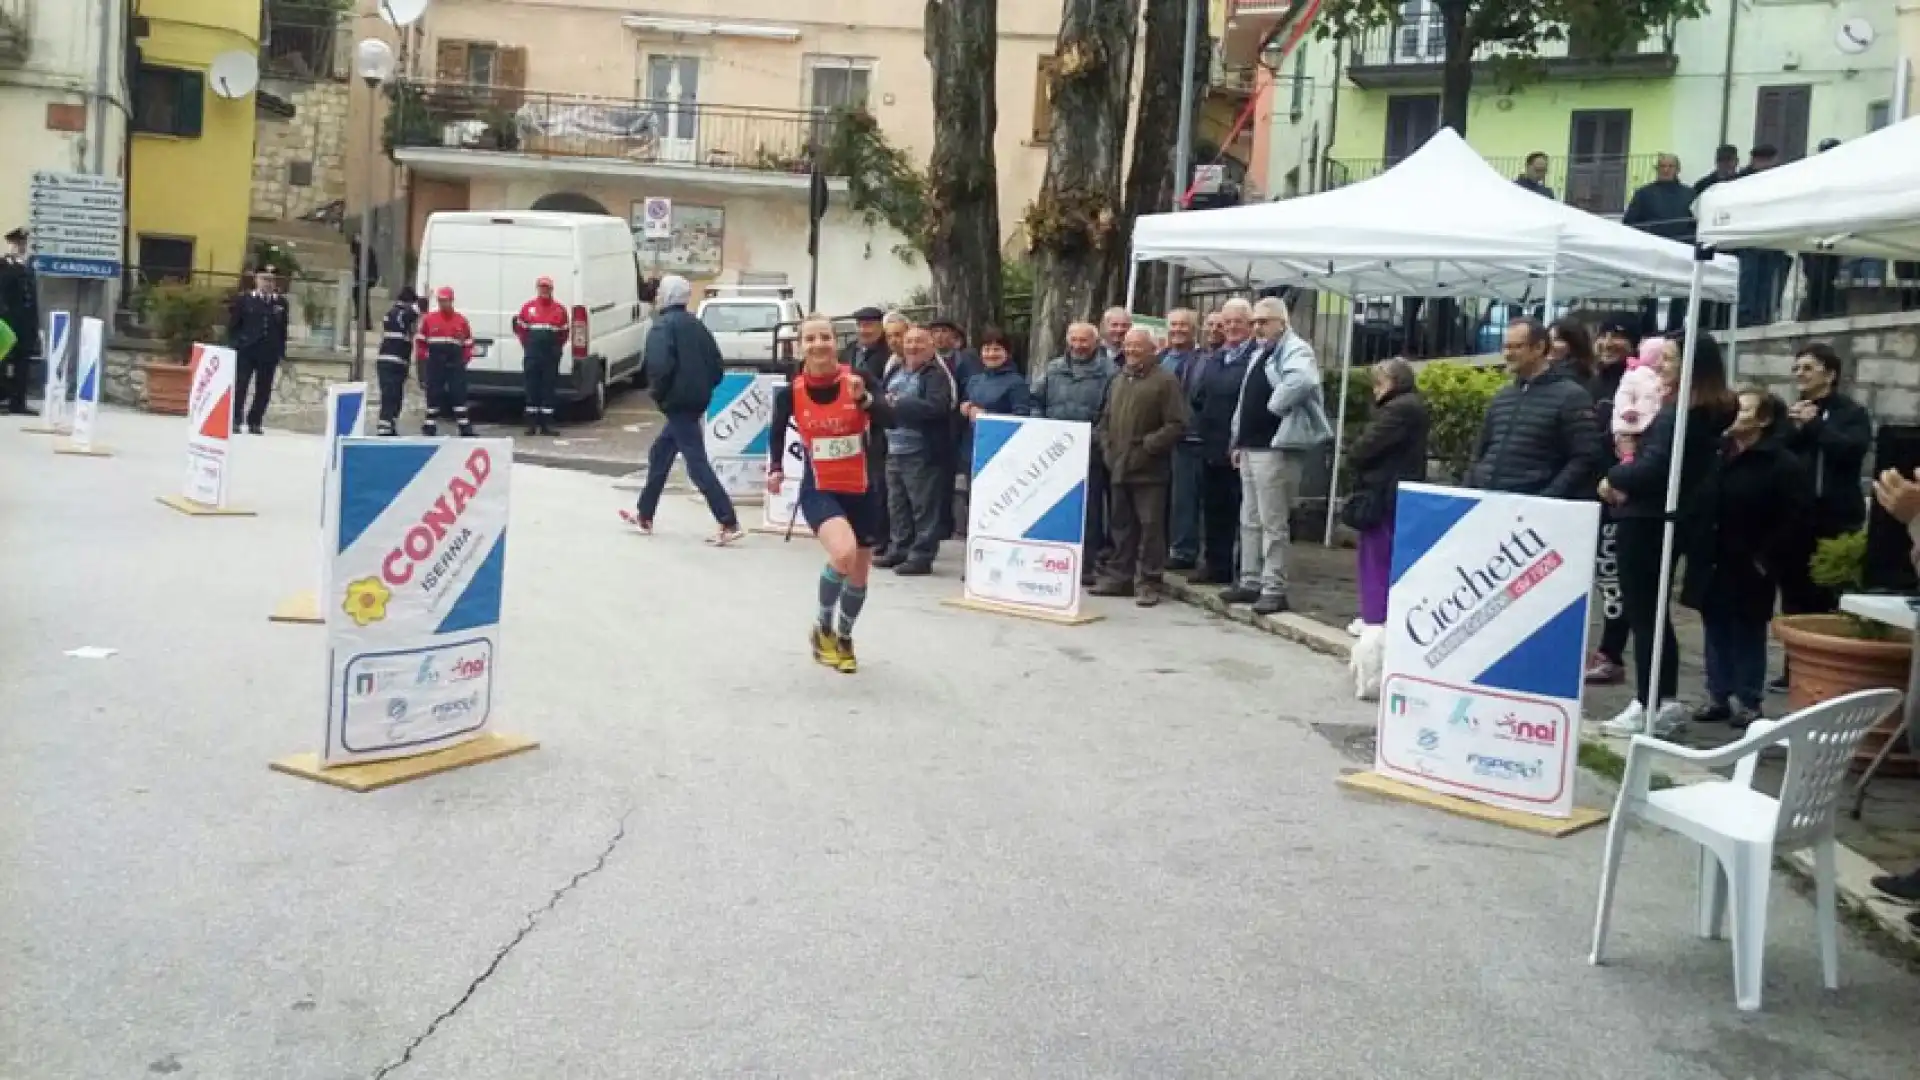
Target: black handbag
[(1365, 509)]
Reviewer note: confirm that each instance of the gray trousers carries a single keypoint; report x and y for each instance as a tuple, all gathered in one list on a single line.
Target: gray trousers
[(1268, 481), (914, 496), (1183, 523)]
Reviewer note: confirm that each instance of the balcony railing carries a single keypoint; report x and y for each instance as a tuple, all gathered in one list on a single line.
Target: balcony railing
[(1417, 47), (16, 29), (1598, 185), (308, 40), (1240, 80), (562, 125)]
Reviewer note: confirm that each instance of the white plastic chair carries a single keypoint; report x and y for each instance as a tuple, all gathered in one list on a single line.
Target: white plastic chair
[(1740, 829)]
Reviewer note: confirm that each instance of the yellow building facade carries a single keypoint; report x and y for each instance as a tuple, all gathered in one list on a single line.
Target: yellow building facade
[(190, 182)]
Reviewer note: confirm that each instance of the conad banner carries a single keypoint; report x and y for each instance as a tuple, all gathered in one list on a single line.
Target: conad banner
[(779, 510), (53, 402), (210, 420), (1486, 646), (736, 430), (1027, 510), (412, 601), (86, 398)]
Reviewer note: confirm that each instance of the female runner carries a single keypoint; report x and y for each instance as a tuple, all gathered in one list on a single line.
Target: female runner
[(836, 417)]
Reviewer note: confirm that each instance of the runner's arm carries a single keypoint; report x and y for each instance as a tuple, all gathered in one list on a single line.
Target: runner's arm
[(777, 426)]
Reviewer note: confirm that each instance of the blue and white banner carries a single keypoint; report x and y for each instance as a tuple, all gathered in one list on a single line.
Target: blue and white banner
[(412, 602), (53, 401), (346, 418), (1486, 646), (736, 430), (1027, 513), (86, 395)]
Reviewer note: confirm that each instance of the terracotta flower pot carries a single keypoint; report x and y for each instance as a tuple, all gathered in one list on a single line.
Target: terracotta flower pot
[(168, 385), (1827, 659)]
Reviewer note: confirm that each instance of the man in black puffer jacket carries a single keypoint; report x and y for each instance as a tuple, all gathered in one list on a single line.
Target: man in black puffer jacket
[(1539, 437)]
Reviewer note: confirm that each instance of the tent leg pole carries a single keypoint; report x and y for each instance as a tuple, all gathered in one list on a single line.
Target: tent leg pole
[(1340, 420), (1681, 397), (1133, 282)]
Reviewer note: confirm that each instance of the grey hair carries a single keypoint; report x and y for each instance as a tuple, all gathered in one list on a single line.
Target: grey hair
[(675, 291), (1271, 307), (1398, 374), (1236, 306), (894, 318)]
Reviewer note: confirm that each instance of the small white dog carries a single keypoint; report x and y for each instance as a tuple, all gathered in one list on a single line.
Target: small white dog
[(1369, 654)]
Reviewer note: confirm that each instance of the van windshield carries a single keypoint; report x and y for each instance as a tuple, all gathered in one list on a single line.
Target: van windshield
[(740, 318)]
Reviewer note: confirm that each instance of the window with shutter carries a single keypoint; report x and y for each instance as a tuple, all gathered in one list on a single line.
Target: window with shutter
[(1780, 115), (1043, 100), (450, 61), (1597, 142), (1411, 121), (169, 101)]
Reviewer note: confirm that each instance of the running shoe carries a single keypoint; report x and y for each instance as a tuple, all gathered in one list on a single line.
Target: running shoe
[(640, 525), (846, 664), (826, 650), (728, 535), (1603, 671)]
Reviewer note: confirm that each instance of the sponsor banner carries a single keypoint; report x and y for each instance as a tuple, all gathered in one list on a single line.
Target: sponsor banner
[(86, 395), (779, 510), (53, 402), (1486, 646), (418, 545), (346, 417), (1027, 513), (210, 424), (736, 431)]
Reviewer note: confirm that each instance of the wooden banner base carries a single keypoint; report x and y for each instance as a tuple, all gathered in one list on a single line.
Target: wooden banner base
[(992, 608), (199, 509), (83, 451), (42, 429), (1372, 782), (302, 607), (374, 775)]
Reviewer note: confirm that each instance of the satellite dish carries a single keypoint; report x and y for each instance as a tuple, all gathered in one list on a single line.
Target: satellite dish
[(400, 13), (234, 74)]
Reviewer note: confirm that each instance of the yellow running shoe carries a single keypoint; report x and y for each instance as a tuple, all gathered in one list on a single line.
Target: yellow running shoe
[(843, 648), (825, 649)]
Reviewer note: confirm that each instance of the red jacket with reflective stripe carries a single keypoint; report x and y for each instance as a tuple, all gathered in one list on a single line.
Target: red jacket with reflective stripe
[(444, 337), (544, 315)]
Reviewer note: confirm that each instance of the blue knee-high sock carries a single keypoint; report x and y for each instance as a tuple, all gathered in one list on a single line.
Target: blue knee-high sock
[(852, 599), (831, 584)]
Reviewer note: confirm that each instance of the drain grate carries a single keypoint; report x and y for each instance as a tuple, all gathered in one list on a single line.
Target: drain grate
[(1356, 741)]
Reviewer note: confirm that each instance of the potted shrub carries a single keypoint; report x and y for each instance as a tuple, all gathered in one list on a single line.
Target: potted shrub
[(1832, 655), (181, 315)]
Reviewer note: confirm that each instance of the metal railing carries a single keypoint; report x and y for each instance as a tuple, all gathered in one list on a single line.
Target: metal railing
[(1600, 185), (305, 39), (1232, 79), (1421, 41), (462, 116), (319, 305)]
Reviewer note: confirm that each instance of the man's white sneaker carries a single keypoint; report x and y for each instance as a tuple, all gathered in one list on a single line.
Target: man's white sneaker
[(1671, 718), (1629, 721)]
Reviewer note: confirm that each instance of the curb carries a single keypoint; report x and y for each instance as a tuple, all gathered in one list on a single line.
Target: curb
[(1853, 870)]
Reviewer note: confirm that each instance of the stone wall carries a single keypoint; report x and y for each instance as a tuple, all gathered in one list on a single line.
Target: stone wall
[(299, 394), (310, 146), (1882, 355)]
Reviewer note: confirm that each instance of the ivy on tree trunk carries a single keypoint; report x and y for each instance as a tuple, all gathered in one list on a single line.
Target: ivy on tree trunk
[(1074, 221), (963, 249), (1156, 130)]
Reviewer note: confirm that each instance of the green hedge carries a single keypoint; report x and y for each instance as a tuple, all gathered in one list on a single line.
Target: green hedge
[(1457, 398)]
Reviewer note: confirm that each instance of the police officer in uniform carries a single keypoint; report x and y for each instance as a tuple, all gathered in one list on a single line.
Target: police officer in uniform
[(445, 349), (258, 331), (396, 356), (542, 328), (20, 310)]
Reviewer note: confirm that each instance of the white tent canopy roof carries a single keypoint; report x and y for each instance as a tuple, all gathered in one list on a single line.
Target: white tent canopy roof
[(1440, 223), (1860, 198)]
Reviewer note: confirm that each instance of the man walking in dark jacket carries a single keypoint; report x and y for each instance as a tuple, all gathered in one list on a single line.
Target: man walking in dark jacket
[(1663, 208), (683, 368), (257, 330), (1539, 436)]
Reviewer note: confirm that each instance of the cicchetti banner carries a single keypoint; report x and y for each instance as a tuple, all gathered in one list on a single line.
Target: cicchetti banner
[(1486, 646), (418, 542)]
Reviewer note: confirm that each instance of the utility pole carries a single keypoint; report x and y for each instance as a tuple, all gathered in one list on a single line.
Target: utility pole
[(1183, 147)]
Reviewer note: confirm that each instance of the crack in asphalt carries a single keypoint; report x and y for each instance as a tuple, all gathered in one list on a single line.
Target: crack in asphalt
[(532, 920)]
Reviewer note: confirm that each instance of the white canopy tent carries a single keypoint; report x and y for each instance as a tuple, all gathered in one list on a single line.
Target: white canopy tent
[(1440, 223), (1859, 198)]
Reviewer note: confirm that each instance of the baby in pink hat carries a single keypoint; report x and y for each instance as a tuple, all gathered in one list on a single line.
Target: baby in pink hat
[(1639, 397)]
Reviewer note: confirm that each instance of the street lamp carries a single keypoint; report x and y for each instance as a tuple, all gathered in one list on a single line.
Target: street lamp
[(373, 59)]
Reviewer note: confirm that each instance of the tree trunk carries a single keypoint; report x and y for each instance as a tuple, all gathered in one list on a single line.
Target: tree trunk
[(1074, 221), (1156, 130), (1456, 70), (963, 248)]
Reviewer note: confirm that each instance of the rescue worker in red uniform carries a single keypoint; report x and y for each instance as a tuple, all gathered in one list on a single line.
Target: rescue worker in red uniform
[(542, 327), (445, 350), (836, 416)]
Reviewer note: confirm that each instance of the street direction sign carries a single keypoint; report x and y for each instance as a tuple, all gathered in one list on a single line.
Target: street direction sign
[(76, 222)]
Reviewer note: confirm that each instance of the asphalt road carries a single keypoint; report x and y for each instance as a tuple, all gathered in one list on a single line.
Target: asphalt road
[(1005, 849)]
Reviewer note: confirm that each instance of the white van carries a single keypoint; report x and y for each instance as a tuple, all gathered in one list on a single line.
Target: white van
[(492, 258)]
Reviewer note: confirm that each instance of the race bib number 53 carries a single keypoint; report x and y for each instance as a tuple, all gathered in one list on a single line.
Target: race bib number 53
[(836, 448)]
